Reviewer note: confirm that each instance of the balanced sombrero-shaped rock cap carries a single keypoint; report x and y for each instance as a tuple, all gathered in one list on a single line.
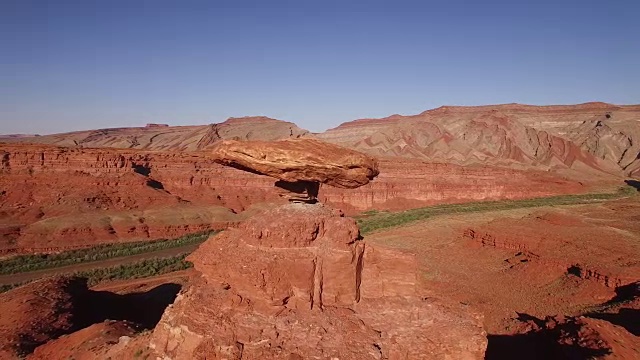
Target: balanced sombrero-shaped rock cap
[(296, 160)]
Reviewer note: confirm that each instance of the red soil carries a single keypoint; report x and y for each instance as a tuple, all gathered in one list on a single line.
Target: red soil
[(518, 267)]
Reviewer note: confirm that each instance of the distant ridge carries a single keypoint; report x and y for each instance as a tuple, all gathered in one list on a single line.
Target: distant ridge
[(593, 136), (584, 137), (174, 138), (16, 136)]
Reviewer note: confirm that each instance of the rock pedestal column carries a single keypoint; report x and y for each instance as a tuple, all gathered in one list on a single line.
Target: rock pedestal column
[(298, 282)]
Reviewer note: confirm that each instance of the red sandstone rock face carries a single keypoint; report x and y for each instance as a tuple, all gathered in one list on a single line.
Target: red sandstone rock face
[(98, 341), (297, 282), (405, 184), (585, 337), (76, 197), (299, 160), (53, 198)]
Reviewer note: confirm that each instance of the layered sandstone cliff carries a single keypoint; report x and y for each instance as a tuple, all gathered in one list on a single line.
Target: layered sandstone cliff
[(54, 197), (298, 282), (59, 198)]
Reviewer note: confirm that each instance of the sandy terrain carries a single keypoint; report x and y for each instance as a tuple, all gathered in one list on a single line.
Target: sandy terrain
[(538, 265)]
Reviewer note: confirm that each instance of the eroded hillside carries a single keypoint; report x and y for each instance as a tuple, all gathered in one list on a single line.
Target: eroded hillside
[(586, 137)]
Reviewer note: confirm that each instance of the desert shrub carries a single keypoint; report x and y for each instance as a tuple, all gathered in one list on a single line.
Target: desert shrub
[(8, 287), (136, 270), (383, 220), (25, 263), (140, 269)]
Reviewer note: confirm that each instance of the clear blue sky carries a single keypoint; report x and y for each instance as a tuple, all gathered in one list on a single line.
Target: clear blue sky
[(69, 65)]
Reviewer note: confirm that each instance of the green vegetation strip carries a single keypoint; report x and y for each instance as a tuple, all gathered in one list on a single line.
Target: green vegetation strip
[(369, 221), (136, 270), (25, 263), (372, 221)]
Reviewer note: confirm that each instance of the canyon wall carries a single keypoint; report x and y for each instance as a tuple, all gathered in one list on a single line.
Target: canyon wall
[(405, 183), (66, 197)]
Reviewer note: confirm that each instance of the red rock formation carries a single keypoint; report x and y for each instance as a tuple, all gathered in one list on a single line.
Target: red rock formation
[(61, 318), (98, 341), (53, 198), (585, 138), (36, 313), (59, 198), (298, 282), (299, 160), (582, 338), (405, 184)]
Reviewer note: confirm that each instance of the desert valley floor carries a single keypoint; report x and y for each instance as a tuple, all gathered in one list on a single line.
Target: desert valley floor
[(494, 232)]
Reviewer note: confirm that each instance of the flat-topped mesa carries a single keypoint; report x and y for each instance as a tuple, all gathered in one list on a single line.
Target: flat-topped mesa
[(299, 164)]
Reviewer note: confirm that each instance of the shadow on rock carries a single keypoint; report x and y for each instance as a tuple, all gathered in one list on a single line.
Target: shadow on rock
[(549, 338), (144, 308), (633, 183), (529, 346), (44, 310), (626, 318), (625, 293)]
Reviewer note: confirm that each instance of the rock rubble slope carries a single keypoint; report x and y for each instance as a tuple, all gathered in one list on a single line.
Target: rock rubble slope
[(298, 282)]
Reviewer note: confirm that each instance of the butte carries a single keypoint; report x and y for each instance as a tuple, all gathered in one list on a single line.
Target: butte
[(299, 282)]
